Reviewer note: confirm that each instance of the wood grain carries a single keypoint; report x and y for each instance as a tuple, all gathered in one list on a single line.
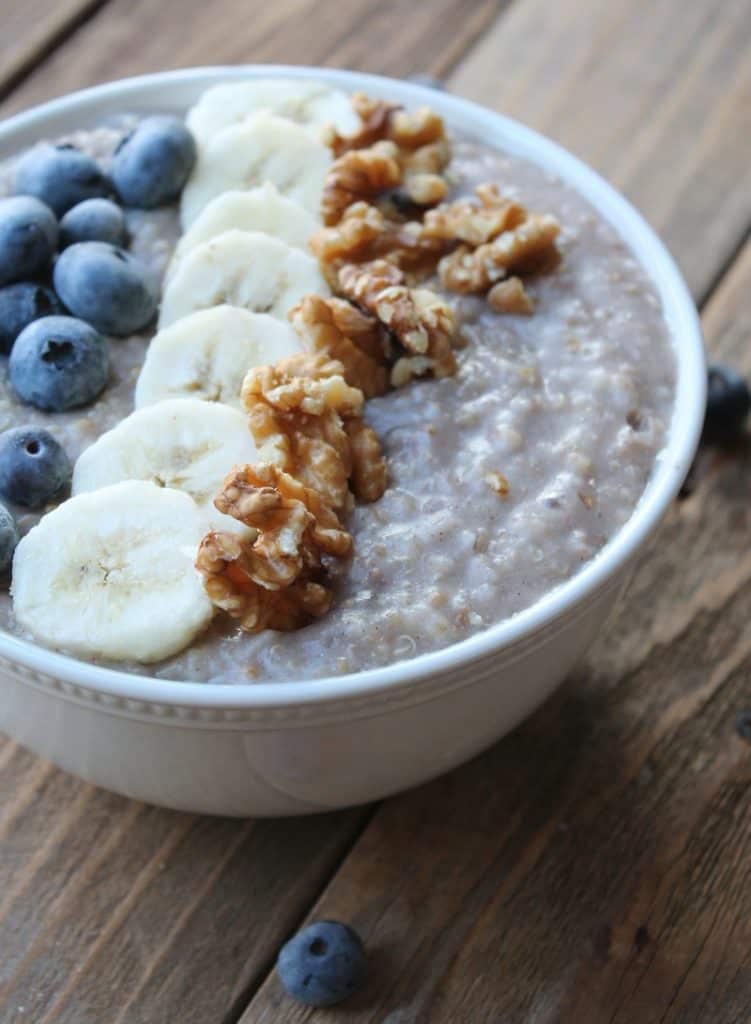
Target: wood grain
[(593, 867), (657, 96), (129, 37), (31, 29), (110, 910)]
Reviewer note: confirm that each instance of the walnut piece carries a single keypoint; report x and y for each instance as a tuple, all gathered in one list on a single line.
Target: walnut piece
[(374, 117), (368, 464), (498, 483), (510, 296), (364, 234), (419, 319), (298, 409), (273, 577), (475, 270), (394, 148), (359, 174), (475, 223), (317, 321)]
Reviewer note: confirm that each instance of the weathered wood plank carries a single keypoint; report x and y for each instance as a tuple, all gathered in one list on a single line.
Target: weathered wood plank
[(31, 29), (594, 866), (657, 96), (129, 37), (111, 907)]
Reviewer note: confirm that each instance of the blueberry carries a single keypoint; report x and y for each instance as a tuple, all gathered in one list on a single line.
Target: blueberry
[(20, 305), (323, 964), (8, 538), (93, 220), (33, 466), (61, 176), (105, 286), (152, 164), (429, 81), (28, 238), (59, 363), (728, 404)]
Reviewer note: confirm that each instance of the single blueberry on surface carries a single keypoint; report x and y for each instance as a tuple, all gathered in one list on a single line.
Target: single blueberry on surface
[(93, 220), (105, 286), (8, 538), (20, 305), (33, 466), (323, 964), (152, 164), (60, 176), (59, 363), (728, 404), (28, 238)]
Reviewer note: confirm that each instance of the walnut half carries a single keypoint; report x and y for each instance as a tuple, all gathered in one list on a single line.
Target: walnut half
[(273, 577), (299, 409), (421, 321)]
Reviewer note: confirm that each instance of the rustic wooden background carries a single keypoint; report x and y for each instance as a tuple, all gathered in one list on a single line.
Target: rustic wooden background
[(595, 866)]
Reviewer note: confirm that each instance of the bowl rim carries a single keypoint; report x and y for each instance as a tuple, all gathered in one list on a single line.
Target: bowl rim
[(671, 468)]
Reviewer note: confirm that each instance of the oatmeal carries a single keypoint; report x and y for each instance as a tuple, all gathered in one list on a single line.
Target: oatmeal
[(503, 478)]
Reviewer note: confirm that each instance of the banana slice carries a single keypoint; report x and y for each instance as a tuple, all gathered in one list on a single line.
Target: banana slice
[(184, 444), (206, 355), (262, 148), (258, 209), (240, 268), (308, 103), (111, 574)]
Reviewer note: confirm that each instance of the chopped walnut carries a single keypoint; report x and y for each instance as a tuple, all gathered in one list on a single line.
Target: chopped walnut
[(498, 483), (298, 410), (317, 321), (420, 320), (374, 115), (510, 296), (368, 463), (359, 174), (395, 148), (268, 500), (475, 223), (364, 234), (468, 270), (380, 120), (272, 577)]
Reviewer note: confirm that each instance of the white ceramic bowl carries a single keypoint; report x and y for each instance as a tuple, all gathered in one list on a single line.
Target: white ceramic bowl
[(290, 748)]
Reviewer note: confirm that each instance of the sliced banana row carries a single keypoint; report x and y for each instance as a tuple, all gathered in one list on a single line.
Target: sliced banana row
[(110, 573)]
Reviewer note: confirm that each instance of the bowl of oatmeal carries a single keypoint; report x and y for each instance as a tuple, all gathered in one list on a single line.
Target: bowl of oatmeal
[(435, 383)]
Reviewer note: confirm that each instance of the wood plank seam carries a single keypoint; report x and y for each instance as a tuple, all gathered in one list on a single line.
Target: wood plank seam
[(48, 45), (245, 998)]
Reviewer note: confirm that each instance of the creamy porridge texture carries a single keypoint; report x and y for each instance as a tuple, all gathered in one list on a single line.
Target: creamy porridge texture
[(503, 479)]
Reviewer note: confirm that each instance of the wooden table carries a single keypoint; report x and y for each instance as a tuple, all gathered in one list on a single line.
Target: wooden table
[(595, 866)]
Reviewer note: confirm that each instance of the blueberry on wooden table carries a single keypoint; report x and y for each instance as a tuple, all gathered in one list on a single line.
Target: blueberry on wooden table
[(728, 404), (93, 220), (60, 176), (59, 363), (323, 964), (105, 286), (33, 466), (28, 238), (8, 538), (20, 305), (152, 164)]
